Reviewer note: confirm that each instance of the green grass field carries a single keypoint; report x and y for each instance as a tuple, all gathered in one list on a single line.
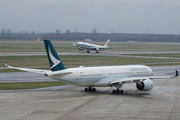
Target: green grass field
[(28, 85), (78, 60)]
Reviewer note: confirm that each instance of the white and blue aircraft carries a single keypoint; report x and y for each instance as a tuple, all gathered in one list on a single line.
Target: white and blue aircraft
[(91, 77), (88, 46)]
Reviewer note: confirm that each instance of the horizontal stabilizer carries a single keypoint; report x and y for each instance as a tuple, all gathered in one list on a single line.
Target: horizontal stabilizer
[(74, 44)]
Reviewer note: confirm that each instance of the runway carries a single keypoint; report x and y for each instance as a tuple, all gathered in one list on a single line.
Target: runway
[(102, 53), (72, 103)]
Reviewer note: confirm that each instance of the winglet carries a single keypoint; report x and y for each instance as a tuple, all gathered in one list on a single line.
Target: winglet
[(5, 63), (177, 74)]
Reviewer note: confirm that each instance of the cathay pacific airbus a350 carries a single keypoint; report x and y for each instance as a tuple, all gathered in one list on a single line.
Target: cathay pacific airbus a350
[(91, 77)]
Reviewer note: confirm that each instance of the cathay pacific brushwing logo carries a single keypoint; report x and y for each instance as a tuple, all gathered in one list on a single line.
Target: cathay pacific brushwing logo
[(53, 59)]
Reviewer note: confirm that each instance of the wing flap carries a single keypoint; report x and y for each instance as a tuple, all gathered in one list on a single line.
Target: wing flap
[(128, 80), (111, 81)]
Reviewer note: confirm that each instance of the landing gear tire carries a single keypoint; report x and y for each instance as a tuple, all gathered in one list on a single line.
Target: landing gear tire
[(88, 51), (117, 91), (86, 89), (90, 89), (121, 91), (97, 51), (94, 89)]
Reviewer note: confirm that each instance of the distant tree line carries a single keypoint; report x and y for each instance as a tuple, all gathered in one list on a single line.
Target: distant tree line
[(94, 35)]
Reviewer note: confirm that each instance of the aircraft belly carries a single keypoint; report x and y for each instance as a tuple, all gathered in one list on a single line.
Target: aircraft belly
[(86, 81), (85, 47)]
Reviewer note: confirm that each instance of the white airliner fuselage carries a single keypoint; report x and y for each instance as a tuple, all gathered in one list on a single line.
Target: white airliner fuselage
[(100, 76), (93, 47)]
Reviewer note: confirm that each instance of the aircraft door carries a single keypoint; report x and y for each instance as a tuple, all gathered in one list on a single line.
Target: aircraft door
[(77, 76), (103, 73)]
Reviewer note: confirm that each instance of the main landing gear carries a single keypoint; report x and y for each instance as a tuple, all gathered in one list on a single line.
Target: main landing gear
[(117, 91), (97, 51), (88, 51), (90, 89)]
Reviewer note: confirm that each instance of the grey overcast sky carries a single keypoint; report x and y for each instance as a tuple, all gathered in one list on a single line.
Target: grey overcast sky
[(106, 16)]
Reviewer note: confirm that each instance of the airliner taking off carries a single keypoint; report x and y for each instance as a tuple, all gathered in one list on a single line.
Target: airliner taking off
[(88, 46), (91, 77)]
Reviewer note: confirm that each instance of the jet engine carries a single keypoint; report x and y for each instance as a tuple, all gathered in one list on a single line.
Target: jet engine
[(81, 48), (145, 85)]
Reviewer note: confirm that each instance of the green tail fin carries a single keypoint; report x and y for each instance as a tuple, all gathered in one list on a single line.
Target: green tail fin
[(54, 60)]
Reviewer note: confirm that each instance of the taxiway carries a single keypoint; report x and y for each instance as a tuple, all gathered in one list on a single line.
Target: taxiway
[(72, 103)]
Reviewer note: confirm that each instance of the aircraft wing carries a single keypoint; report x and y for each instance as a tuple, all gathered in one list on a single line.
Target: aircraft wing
[(139, 79), (92, 48), (27, 69), (111, 81), (45, 72)]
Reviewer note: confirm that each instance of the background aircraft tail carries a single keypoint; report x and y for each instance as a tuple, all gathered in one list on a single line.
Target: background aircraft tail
[(54, 60), (107, 43)]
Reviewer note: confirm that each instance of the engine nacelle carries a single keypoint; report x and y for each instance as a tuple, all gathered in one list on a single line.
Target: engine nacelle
[(81, 48), (145, 85)]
